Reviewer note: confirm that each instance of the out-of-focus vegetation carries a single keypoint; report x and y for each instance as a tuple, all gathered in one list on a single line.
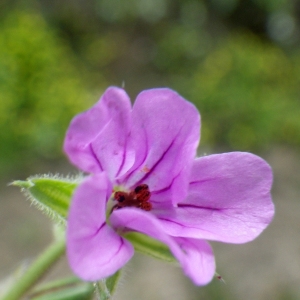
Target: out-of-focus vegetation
[(237, 60), (249, 95), (40, 89)]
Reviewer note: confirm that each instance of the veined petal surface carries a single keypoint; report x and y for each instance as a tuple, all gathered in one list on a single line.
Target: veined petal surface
[(196, 257), (94, 249), (96, 139), (201, 263), (165, 135), (229, 199)]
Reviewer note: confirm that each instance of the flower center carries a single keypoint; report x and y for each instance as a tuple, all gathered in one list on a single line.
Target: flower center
[(139, 197)]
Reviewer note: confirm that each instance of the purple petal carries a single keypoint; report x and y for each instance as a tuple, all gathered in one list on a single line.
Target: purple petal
[(96, 139), (201, 265), (165, 135), (196, 257), (94, 249), (229, 199)]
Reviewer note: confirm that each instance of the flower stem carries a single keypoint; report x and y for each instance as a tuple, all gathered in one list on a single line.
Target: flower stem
[(102, 290), (36, 270)]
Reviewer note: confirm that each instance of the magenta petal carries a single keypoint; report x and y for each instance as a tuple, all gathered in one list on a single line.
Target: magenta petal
[(94, 249), (229, 199), (165, 135), (201, 264), (85, 142), (195, 257)]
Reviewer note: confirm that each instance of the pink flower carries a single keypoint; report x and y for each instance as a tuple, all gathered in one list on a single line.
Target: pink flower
[(142, 160)]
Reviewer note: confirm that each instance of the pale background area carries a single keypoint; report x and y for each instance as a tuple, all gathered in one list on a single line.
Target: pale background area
[(263, 269)]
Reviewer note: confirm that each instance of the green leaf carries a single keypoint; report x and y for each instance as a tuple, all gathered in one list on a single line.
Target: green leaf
[(52, 195), (147, 245)]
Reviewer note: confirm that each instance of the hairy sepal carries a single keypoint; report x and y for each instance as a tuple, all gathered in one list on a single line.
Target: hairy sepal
[(51, 195)]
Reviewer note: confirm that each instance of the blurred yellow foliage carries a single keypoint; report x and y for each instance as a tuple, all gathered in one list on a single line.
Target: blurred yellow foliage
[(41, 89)]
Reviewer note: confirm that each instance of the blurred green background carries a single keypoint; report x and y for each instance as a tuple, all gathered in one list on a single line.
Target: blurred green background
[(237, 60)]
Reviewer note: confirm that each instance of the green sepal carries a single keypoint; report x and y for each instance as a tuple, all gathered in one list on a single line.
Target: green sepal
[(105, 288), (149, 246), (52, 195), (112, 281)]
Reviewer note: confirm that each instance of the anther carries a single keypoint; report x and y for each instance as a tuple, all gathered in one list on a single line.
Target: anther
[(141, 187), (120, 196), (139, 197)]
